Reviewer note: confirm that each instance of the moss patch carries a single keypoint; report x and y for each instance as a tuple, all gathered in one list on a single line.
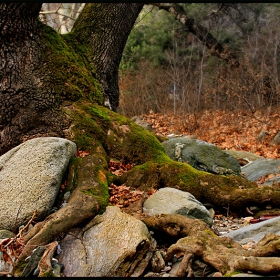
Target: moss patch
[(209, 232), (72, 77), (19, 268), (231, 273)]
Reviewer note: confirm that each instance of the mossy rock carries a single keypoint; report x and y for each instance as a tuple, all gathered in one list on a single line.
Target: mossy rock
[(201, 155)]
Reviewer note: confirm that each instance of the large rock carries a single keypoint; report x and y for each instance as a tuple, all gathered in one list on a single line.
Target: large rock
[(173, 201), (243, 156), (255, 232), (263, 167), (139, 120), (113, 244), (201, 155), (30, 176)]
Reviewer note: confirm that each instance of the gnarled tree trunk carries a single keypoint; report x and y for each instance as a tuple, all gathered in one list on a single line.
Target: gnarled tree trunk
[(41, 71), (51, 85)]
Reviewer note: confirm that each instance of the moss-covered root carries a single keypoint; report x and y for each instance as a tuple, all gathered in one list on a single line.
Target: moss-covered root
[(232, 192), (89, 197), (124, 140)]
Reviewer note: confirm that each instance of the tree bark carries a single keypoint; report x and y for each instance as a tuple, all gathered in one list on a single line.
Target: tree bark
[(105, 27), (41, 71), (28, 104), (49, 87)]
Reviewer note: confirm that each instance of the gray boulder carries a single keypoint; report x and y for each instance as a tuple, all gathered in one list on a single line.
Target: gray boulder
[(139, 120), (201, 155), (262, 167), (113, 244), (30, 176), (6, 234), (173, 201), (255, 232), (245, 156)]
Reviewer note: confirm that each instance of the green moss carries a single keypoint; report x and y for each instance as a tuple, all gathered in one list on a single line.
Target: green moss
[(101, 194), (48, 273), (209, 232), (72, 173), (85, 131), (183, 172), (99, 112), (71, 75), (20, 267), (102, 197), (231, 273), (110, 178), (145, 166)]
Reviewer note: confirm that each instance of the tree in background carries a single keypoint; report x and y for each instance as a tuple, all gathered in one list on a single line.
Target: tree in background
[(248, 30)]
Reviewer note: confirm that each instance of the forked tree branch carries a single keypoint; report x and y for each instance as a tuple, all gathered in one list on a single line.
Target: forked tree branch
[(203, 34)]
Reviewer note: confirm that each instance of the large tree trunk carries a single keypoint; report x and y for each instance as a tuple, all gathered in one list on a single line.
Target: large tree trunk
[(51, 85), (111, 24), (41, 71)]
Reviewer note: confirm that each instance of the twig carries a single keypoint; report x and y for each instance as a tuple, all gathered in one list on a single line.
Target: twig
[(25, 227), (14, 230)]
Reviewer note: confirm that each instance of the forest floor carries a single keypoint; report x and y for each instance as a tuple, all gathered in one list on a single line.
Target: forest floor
[(238, 131)]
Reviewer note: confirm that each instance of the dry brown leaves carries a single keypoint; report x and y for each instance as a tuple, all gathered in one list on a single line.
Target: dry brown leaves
[(10, 249), (81, 153), (267, 177), (123, 196), (227, 130), (118, 168)]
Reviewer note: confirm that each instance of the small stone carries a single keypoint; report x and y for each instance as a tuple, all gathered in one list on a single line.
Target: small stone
[(66, 196), (212, 212), (166, 268), (217, 274), (174, 259), (56, 269), (151, 274), (36, 272)]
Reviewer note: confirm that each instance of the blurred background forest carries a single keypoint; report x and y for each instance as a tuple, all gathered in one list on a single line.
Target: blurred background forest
[(166, 69), (170, 78)]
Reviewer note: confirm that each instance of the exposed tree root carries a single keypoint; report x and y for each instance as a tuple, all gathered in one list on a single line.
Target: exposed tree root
[(222, 253), (90, 194)]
